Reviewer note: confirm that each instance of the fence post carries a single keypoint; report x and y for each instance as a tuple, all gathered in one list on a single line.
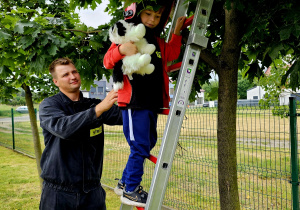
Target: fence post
[(294, 153), (13, 127)]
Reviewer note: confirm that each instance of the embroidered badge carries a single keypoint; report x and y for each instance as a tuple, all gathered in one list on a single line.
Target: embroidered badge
[(95, 131), (158, 54)]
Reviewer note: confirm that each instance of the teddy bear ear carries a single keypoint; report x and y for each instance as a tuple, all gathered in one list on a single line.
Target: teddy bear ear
[(121, 28)]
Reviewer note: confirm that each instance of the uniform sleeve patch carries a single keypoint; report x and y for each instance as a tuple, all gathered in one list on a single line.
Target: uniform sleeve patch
[(95, 131)]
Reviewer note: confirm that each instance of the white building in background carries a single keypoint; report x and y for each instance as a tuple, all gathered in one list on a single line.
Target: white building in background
[(199, 98), (258, 93), (255, 93), (284, 96)]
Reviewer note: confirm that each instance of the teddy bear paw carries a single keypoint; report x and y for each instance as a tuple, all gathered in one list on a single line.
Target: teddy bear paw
[(144, 60), (148, 69), (140, 31)]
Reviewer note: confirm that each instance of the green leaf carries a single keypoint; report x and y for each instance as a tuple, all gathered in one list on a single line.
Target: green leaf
[(19, 27), (52, 49), (296, 31), (254, 71), (8, 21), (4, 71), (26, 41), (41, 20), (213, 94), (275, 51), (4, 35), (43, 40), (38, 64), (285, 33), (95, 45), (63, 43), (294, 71)]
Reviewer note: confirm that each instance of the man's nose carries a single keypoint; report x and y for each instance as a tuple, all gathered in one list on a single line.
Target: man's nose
[(73, 76)]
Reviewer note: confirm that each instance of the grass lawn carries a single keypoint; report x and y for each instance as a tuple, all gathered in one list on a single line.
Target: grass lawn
[(263, 158), (20, 184)]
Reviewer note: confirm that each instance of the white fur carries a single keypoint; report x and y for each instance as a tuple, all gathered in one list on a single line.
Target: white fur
[(133, 33), (138, 63), (144, 47), (118, 85)]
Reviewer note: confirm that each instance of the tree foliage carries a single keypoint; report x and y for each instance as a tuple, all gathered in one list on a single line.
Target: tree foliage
[(243, 35), (243, 85), (34, 33)]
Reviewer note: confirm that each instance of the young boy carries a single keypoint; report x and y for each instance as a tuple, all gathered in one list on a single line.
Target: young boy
[(144, 97)]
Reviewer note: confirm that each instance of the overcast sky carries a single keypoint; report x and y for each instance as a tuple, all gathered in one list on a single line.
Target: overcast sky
[(96, 17)]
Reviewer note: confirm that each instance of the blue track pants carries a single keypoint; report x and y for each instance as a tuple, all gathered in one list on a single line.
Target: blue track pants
[(139, 127)]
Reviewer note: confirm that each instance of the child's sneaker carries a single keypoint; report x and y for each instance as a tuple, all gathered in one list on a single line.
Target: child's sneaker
[(136, 198), (119, 188)]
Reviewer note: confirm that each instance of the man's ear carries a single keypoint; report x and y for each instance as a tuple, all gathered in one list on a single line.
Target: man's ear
[(55, 82)]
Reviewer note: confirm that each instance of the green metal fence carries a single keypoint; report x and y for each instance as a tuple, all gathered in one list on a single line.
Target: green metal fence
[(264, 155), (15, 131)]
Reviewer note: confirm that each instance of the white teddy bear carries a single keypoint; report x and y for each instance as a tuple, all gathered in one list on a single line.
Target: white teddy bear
[(139, 63)]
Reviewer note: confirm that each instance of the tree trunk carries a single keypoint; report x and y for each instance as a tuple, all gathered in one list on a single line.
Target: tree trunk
[(228, 72), (34, 128)]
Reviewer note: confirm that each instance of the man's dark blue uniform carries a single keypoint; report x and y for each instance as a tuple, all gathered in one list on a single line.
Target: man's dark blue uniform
[(73, 132), (74, 139)]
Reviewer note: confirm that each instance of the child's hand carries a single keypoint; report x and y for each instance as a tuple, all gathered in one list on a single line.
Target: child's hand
[(179, 24), (128, 48)]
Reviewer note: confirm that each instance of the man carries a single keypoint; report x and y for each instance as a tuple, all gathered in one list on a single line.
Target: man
[(74, 139)]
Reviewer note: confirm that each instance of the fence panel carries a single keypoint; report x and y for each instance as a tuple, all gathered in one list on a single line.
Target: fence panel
[(21, 139), (6, 128), (263, 157)]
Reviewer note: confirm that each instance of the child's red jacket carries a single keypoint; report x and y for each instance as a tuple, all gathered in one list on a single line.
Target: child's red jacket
[(169, 52)]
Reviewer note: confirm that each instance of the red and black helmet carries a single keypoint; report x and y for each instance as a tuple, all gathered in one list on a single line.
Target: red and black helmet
[(130, 11)]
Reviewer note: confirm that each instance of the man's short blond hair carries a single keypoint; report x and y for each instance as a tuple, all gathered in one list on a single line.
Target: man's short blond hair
[(59, 61)]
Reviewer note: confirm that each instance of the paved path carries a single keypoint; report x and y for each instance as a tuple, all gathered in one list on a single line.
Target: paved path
[(16, 119)]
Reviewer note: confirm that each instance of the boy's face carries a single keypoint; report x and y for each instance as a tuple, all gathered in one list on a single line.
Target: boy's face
[(151, 18)]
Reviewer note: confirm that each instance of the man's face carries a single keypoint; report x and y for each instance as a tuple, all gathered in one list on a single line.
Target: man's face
[(67, 78)]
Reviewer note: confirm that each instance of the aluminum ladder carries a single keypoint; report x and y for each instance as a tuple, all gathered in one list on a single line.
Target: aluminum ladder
[(196, 42)]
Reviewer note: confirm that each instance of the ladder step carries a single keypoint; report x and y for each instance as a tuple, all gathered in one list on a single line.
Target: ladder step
[(174, 67), (152, 158), (187, 22)]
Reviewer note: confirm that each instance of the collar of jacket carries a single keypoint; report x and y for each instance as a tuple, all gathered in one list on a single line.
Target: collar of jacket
[(67, 100)]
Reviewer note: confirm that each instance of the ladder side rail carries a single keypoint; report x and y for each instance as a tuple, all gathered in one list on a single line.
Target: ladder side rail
[(180, 10), (196, 42)]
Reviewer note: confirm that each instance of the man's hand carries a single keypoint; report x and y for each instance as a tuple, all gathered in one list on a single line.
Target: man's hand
[(107, 103)]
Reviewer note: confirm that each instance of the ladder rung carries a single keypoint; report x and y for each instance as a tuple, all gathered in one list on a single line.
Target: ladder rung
[(174, 67), (152, 158), (187, 22)]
